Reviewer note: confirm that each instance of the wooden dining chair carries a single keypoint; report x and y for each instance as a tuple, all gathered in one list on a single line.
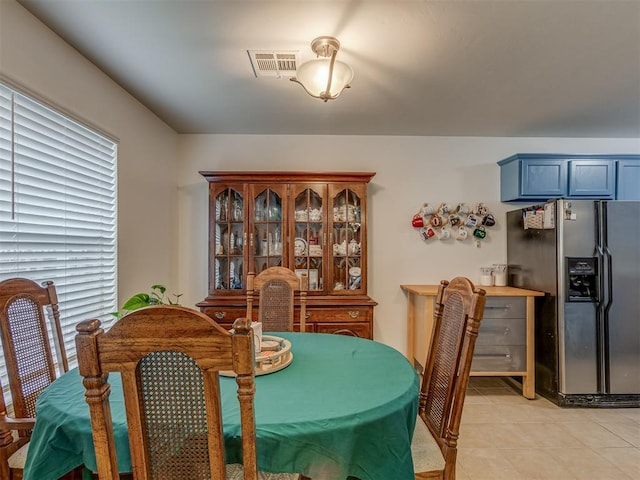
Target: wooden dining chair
[(169, 358), (276, 287), (28, 312), (459, 309)]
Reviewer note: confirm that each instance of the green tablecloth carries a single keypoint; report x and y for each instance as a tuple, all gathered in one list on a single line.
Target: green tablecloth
[(345, 406)]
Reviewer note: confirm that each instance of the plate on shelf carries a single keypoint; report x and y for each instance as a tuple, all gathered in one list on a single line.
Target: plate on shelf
[(300, 246)]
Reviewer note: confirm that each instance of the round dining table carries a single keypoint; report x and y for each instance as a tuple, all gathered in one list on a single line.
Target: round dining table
[(345, 406)]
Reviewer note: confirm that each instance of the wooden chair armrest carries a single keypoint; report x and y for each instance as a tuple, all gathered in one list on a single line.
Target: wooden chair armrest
[(8, 423)]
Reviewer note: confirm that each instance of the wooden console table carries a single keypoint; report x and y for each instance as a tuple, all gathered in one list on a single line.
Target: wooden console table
[(505, 344)]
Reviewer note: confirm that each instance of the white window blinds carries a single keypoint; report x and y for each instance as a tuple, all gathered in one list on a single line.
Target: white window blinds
[(58, 209)]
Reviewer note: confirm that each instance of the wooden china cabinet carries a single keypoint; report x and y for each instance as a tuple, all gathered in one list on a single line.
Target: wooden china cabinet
[(308, 222)]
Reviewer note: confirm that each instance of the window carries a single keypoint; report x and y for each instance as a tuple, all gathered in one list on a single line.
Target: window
[(58, 209)]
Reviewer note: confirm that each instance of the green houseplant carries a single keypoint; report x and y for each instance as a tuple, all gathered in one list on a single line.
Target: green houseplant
[(157, 296)]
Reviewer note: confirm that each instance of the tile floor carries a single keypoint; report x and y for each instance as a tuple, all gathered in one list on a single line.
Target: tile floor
[(505, 436)]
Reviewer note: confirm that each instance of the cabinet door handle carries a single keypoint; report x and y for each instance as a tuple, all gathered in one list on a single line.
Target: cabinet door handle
[(251, 240), (503, 307), (354, 313), (307, 316), (219, 315)]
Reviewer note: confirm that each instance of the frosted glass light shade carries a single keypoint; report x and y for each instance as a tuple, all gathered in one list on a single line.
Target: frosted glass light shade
[(314, 75)]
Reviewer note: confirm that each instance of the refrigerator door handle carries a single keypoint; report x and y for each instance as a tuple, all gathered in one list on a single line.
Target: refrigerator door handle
[(601, 279), (607, 280)]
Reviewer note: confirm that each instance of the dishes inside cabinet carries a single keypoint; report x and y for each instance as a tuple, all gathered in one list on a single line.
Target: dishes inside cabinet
[(300, 246)]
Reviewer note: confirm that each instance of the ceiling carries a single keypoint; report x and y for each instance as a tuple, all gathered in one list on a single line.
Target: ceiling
[(507, 68)]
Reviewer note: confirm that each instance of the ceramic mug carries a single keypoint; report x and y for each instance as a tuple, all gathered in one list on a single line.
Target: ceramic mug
[(436, 221), (463, 209), (455, 220), (427, 232), (443, 210), (417, 221), (462, 233), (489, 220), (480, 209), (471, 221), (427, 210), (480, 232), (444, 234)]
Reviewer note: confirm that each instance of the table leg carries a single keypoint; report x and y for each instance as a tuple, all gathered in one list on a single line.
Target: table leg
[(529, 380), (411, 326)]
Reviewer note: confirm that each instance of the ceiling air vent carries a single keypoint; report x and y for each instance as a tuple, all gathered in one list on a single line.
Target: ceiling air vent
[(274, 63)]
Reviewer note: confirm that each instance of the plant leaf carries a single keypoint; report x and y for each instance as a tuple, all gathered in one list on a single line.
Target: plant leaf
[(137, 301)]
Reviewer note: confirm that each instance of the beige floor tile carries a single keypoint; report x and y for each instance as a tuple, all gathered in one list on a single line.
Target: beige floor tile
[(492, 435), (474, 396), (628, 431), (554, 413), (482, 413), (585, 463), (594, 435), (613, 415), (461, 473), (537, 464), (626, 459), (546, 435), (486, 464), (505, 436)]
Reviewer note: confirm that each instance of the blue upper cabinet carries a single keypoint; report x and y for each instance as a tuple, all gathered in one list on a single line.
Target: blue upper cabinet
[(530, 177), (628, 180), (592, 178), (541, 177)]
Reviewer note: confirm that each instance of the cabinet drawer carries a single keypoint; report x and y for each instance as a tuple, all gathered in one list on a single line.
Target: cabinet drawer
[(354, 329), (505, 307), (224, 315), (491, 358), (347, 314), (502, 331)]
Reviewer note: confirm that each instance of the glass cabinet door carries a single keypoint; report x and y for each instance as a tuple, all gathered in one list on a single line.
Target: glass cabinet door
[(309, 234), (347, 239), (229, 239), (267, 238)]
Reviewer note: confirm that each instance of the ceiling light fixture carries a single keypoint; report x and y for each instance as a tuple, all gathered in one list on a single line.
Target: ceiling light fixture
[(324, 78)]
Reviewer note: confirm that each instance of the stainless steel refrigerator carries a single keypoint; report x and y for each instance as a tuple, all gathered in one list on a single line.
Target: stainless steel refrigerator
[(585, 255)]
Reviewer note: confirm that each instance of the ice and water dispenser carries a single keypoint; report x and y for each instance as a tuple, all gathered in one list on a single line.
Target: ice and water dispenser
[(582, 279)]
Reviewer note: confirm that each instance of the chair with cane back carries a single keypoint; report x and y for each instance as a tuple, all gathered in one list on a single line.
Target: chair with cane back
[(28, 312), (459, 308)]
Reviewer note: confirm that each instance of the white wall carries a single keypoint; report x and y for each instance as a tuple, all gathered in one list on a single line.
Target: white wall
[(34, 58), (410, 171)]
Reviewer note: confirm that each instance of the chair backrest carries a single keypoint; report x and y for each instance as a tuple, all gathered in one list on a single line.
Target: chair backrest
[(28, 312), (169, 358), (276, 287), (26, 344), (458, 311)]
